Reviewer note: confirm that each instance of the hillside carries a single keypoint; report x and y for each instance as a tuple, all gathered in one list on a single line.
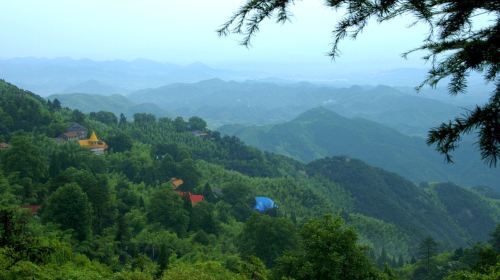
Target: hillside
[(125, 217), (466, 208), (452, 212), (113, 103), (94, 87), (320, 132)]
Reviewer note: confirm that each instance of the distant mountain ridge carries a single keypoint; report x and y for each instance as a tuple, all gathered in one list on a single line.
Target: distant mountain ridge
[(257, 102), (113, 103), (94, 87), (53, 76), (320, 132)]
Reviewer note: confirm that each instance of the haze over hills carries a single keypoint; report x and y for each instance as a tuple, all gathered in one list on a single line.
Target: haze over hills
[(248, 140), (253, 102), (320, 132), (374, 141), (115, 103), (47, 76), (390, 212), (51, 76), (94, 87), (257, 102)]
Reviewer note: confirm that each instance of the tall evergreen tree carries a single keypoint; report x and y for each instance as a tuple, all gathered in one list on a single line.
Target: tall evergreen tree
[(495, 239), (123, 120), (426, 250), (267, 237), (456, 46), (329, 250), (56, 104), (69, 207), (26, 158), (166, 208)]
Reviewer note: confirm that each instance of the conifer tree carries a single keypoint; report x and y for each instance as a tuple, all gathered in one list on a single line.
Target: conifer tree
[(69, 207), (495, 239), (426, 250), (455, 46)]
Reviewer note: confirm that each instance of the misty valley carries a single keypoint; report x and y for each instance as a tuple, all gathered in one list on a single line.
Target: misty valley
[(296, 140), (357, 152)]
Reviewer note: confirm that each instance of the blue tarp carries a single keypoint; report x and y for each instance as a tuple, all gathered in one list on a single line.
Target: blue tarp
[(262, 204)]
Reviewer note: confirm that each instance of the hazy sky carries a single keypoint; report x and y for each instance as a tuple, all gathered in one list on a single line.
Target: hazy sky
[(183, 31)]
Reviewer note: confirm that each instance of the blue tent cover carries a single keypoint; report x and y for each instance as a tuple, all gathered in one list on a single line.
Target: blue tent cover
[(263, 203)]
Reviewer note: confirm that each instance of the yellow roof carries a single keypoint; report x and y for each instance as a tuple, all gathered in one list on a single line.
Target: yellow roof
[(93, 137), (176, 182), (93, 142)]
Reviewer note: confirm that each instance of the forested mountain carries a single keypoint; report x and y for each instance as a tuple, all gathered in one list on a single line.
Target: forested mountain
[(252, 102), (444, 209), (94, 87), (262, 103), (69, 212), (115, 103), (320, 132), (466, 208)]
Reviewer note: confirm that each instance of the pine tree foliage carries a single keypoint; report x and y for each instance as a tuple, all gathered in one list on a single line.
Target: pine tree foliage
[(455, 46)]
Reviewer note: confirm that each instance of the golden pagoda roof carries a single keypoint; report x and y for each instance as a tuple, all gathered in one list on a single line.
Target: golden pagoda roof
[(93, 142), (93, 137)]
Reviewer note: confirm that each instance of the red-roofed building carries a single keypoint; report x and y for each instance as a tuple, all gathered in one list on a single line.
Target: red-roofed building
[(194, 198), (70, 136), (4, 146), (33, 208)]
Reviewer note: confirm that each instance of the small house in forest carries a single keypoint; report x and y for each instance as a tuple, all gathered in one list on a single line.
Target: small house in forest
[(199, 133), (93, 144), (70, 136), (194, 198), (74, 132), (33, 208), (176, 182), (4, 146)]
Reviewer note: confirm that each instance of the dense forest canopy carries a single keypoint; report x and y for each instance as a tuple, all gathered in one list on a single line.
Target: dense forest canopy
[(320, 132), (130, 212)]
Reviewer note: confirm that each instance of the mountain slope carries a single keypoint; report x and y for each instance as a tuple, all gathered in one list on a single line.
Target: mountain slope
[(114, 103), (468, 209), (384, 207), (321, 132), (22, 110), (389, 197), (93, 87), (263, 103)]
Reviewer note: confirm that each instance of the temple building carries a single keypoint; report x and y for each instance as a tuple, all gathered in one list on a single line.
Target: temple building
[(93, 144), (176, 182), (74, 132), (194, 198)]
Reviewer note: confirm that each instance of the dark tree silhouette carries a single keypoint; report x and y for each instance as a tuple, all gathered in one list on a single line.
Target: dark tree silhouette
[(426, 250), (495, 239), (454, 46)]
